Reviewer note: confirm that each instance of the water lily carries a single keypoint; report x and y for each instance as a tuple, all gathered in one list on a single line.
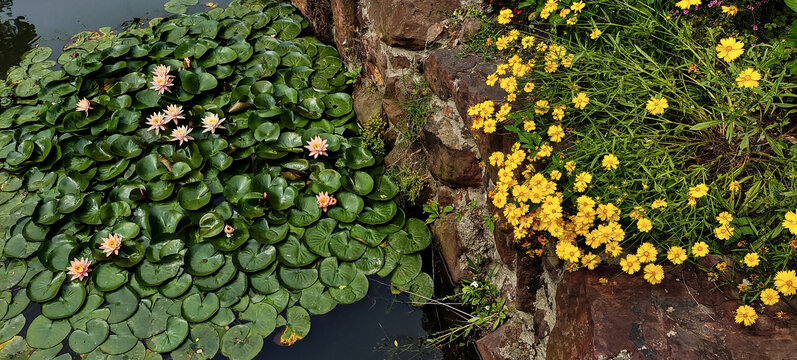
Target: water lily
[(317, 146), (161, 84), (79, 268), (228, 230), (111, 244), (174, 112), (186, 62), (156, 122), (211, 122), (84, 105), (181, 134), (162, 71), (325, 200)]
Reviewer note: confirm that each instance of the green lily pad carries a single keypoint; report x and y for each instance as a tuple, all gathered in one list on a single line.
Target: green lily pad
[(333, 274), (122, 303), (297, 278), (197, 309), (203, 259), (109, 277), (416, 237), (295, 253), (353, 292), (297, 325), (83, 342), (12, 273), (240, 342), (254, 256), (175, 334), (316, 300), (408, 268), (67, 303), (378, 212), (262, 317), (306, 211), (44, 333), (348, 207)]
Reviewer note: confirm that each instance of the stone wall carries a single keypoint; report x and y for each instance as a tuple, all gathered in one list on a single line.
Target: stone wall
[(555, 315)]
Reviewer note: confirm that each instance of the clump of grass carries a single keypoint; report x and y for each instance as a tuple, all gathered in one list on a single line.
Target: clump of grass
[(416, 104), (371, 133), (410, 175)]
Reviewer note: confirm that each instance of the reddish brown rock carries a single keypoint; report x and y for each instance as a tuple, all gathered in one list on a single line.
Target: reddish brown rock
[(681, 318), (507, 342), (470, 27), (443, 68), (452, 160), (346, 22), (406, 23), (367, 102), (319, 13), (451, 245)]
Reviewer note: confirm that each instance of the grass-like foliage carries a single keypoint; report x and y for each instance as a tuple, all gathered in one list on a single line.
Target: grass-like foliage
[(650, 134), (189, 188)]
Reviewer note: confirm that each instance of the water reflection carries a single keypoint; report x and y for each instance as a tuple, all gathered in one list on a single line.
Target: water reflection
[(16, 34)]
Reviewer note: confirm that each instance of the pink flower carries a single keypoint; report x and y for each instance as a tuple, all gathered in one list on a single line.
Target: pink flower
[(181, 134), (156, 122), (161, 83), (325, 200), (228, 230), (162, 71), (211, 122), (79, 268), (174, 112), (84, 105), (111, 244), (317, 147)]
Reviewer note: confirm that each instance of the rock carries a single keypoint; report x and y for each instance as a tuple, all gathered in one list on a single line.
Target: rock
[(367, 102), (508, 342), (346, 22), (375, 59), (406, 23), (470, 27), (443, 69), (453, 159), (451, 245), (394, 111), (319, 13), (683, 317)]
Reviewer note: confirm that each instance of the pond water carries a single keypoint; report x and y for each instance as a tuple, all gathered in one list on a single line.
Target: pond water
[(365, 330)]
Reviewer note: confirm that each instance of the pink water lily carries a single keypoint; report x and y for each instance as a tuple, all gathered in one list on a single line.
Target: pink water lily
[(174, 112), (156, 122), (79, 268), (111, 244), (162, 71), (211, 122), (325, 200), (84, 105), (317, 146), (229, 230), (181, 134), (161, 84)]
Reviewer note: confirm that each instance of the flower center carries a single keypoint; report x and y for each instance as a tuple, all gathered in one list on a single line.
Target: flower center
[(78, 268)]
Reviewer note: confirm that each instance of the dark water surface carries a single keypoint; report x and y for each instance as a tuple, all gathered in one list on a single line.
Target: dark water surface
[(362, 331)]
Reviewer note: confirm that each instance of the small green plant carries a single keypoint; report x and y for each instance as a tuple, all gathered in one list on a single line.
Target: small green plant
[(436, 211), (409, 176), (487, 310), (417, 108), (371, 134), (354, 75)]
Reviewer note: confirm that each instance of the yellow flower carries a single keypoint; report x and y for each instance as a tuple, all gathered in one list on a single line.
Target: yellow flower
[(699, 249), (730, 10), (610, 162), (558, 112), (676, 255), (596, 33), (527, 41), (686, 4), (723, 232), (502, 42), (748, 78), (730, 49), (556, 133), (790, 222), (591, 261), (630, 264), (505, 16), (529, 125), (734, 186), (658, 203), (529, 87), (541, 107), (580, 101), (698, 191), (770, 297), (725, 218), (646, 252), (572, 20), (654, 274), (613, 249), (656, 106), (786, 282), (577, 6), (644, 225), (556, 175), (746, 315), (497, 159), (570, 166), (752, 259), (491, 79), (545, 151)]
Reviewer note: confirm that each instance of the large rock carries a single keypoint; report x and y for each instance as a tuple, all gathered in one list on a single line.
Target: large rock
[(409, 23), (511, 341), (367, 102), (452, 247), (319, 13), (453, 159), (681, 318)]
